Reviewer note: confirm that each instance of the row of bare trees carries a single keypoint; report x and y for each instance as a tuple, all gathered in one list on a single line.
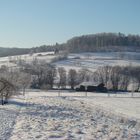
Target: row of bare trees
[(72, 77), (118, 77), (39, 74), (46, 76), (113, 77)]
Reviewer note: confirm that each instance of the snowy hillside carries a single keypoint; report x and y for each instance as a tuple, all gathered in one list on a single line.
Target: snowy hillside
[(10, 61), (94, 60), (70, 115), (46, 116), (80, 60)]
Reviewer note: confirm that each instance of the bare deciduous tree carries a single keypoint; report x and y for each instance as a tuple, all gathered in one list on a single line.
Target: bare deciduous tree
[(84, 75), (62, 77), (135, 74), (125, 78), (6, 90), (72, 78), (24, 81), (103, 74)]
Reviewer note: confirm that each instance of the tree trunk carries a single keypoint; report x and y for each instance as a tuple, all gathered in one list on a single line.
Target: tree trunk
[(2, 100)]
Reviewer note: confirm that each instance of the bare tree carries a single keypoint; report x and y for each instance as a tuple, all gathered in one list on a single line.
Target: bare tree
[(24, 81), (62, 77), (6, 90), (50, 75), (103, 74), (135, 74), (43, 74), (84, 75), (125, 78), (72, 78), (115, 77)]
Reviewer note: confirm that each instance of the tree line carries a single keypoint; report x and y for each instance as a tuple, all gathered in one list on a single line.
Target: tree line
[(96, 42), (41, 75), (85, 43), (119, 78), (104, 42)]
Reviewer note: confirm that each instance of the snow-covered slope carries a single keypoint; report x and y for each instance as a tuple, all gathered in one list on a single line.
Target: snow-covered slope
[(9, 61), (45, 116), (81, 60), (61, 118), (94, 60)]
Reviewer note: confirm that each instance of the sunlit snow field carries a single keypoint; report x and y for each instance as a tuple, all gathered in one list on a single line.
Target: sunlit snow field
[(65, 115), (90, 61)]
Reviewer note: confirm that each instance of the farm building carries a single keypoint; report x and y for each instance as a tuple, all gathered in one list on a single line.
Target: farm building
[(91, 87)]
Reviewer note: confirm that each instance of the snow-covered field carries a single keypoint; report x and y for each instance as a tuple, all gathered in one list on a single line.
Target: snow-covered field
[(8, 115), (65, 115), (9, 61), (94, 60), (81, 60), (71, 116)]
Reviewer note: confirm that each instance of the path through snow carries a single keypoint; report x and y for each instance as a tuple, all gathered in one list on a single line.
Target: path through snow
[(64, 118)]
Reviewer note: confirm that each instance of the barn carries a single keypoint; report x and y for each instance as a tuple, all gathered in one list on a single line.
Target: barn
[(91, 87)]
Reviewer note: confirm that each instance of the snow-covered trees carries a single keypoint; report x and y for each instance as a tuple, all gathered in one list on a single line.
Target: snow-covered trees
[(42, 73), (84, 75), (24, 81), (135, 75), (72, 78), (62, 77), (6, 90), (103, 74), (118, 77)]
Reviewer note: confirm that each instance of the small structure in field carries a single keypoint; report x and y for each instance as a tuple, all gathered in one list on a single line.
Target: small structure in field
[(91, 87)]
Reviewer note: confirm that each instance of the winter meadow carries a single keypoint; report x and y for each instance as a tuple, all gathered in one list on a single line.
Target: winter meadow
[(57, 96), (69, 70)]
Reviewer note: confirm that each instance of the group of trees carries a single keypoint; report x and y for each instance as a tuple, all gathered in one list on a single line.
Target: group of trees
[(11, 81), (40, 74), (13, 51), (72, 78), (104, 42), (96, 42), (43, 74), (85, 43), (119, 78), (47, 76)]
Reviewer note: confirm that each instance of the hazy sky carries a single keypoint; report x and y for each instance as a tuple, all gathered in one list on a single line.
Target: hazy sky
[(29, 23)]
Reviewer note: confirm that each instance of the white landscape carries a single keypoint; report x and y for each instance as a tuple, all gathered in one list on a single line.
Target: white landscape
[(69, 69), (72, 116), (65, 115), (79, 60)]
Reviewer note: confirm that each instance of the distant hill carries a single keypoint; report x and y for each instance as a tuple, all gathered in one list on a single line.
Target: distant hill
[(104, 42), (13, 51), (101, 42)]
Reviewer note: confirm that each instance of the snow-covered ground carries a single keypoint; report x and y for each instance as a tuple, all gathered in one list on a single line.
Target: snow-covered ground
[(9, 61), (122, 103), (65, 115), (94, 60), (71, 116), (8, 115), (80, 60)]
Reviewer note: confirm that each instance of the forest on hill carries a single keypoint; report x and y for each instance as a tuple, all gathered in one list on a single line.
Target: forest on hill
[(104, 42), (13, 51), (101, 42)]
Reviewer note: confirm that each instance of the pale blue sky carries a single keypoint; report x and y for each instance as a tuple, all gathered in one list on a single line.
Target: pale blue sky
[(30, 23)]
